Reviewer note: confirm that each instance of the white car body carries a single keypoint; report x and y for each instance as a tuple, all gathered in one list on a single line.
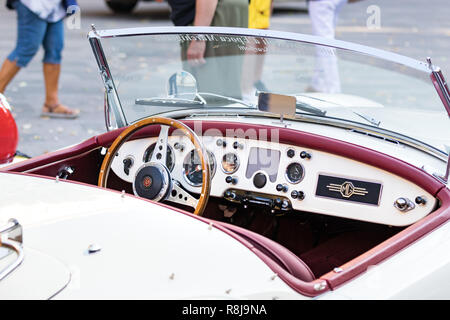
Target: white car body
[(81, 241)]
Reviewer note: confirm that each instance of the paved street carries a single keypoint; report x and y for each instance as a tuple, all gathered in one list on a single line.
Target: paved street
[(415, 28)]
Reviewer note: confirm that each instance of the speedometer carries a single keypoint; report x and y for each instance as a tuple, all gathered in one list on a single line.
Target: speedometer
[(192, 167)]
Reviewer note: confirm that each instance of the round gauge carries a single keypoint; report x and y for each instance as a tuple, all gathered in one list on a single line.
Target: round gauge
[(294, 172), (192, 167), (230, 163), (170, 159)]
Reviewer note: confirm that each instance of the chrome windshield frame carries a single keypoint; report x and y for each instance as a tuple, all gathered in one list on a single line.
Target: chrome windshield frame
[(434, 73)]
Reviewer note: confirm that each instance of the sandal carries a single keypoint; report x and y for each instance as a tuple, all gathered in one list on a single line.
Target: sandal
[(59, 111)]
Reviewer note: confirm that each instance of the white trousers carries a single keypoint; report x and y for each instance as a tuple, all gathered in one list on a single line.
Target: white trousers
[(323, 15)]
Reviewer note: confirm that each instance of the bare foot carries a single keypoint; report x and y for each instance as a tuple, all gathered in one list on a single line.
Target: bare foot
[(59, 111)]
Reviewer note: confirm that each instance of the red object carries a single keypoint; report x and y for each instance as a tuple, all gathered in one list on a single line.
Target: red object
[(9, 135)]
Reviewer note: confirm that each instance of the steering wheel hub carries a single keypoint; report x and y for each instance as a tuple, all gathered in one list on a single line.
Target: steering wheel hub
[(152, 181)]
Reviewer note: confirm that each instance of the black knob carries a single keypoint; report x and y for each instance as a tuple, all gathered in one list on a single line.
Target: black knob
[(259, 180), (305, 155), (127, 164), (230, 179), (301, 195), (237, 145), (421, 200), (221, 143), (282, 187), (294, 194), (401, 204), (230, 195), (291, 153), (178, 146), (277, 202)]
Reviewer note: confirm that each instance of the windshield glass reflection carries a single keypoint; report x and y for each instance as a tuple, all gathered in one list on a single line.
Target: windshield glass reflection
[(326, 82)]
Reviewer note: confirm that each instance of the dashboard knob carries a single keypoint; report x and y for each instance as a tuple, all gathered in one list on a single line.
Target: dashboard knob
[(285, 204), (282, 187), (301, 195), (404, 204), (401, 203), (305, 155), (221, 143), (127, 164), (259, 180), (230, 195), (178, 146), (278, 202), (421, 200), (232, 180), (237, 145), (290, 153)]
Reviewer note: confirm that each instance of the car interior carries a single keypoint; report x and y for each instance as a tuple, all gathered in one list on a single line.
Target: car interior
[(308, 203)]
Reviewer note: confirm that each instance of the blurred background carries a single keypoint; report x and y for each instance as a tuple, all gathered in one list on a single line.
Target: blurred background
[(414, 28)]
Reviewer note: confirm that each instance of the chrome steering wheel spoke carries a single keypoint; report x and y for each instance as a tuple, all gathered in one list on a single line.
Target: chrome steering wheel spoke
[(179, 195), (160, 151)]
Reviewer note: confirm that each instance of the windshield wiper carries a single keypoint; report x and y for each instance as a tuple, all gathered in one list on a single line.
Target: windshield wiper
[(171, 101), (372, 121), (309, 108), (247, 104)]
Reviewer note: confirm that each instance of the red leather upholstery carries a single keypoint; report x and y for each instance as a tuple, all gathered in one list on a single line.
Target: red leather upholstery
[(289, 261)]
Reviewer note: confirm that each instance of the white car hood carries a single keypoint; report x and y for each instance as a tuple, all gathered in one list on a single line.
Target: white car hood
[(147, 250)]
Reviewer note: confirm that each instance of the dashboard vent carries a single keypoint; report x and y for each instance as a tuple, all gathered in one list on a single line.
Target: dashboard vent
[(376, 136)]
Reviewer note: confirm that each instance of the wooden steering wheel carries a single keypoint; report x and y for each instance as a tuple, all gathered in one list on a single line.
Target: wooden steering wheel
[(153, 179)]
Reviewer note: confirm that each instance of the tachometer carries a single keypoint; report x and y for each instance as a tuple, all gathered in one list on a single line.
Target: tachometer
[(294, 172), (192, 167), (230, 163), (170, 159)]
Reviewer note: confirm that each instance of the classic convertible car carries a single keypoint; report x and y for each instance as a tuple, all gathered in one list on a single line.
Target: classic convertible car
[(280, 166)]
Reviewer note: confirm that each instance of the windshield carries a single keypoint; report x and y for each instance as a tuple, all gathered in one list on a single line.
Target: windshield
[(157, 73)]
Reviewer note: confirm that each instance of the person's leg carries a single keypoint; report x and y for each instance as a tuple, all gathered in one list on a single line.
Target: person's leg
[(7, 73), (326, 73), (30, 33), (53, 45)]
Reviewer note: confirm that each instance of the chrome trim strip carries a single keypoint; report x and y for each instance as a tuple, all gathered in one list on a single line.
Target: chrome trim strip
[(110, 87), (13, 242), (20, 257)]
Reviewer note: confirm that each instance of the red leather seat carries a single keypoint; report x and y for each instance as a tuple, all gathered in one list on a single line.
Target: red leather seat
[(285, 258)]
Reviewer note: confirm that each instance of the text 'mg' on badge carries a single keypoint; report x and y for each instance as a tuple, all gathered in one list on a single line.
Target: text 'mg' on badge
[(348, 189)]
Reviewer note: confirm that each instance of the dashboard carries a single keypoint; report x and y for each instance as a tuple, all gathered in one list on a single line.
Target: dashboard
[(285, 178)]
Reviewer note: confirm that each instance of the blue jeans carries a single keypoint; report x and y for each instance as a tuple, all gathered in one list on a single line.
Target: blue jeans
[(32, 31)]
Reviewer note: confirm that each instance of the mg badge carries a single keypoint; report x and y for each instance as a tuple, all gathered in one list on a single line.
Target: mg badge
[(347, 189)]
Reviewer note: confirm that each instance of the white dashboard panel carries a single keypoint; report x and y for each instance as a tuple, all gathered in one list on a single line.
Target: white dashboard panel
[(392, 187)]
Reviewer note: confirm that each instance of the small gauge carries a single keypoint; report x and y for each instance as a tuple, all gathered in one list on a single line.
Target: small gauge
[(192, 167), (230, 163), (294, 172), (170, 159)]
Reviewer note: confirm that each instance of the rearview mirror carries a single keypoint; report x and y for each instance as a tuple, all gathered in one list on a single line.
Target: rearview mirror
[(277, 104)]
